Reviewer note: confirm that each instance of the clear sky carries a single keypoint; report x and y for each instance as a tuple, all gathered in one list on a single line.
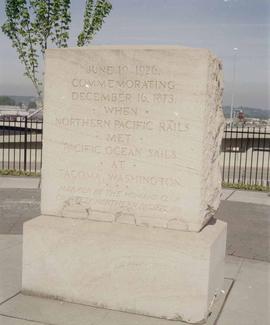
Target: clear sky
[(219, 25)]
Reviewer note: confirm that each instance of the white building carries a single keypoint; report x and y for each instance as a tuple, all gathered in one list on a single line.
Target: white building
[(7, 110)]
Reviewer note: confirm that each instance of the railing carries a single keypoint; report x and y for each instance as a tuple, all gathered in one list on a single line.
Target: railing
[(21, 144), (245, 156)]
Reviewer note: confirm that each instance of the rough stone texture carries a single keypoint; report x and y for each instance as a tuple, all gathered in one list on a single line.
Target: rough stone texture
[(157, 272), (132, 135), (130, 160)]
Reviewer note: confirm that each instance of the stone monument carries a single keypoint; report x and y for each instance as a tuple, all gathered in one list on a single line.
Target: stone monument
[(130, 181)]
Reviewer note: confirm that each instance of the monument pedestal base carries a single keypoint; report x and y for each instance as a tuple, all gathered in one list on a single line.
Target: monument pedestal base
[(151, 271)]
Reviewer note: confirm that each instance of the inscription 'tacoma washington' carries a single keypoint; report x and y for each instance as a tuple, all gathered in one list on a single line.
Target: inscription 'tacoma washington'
[(122, 178)]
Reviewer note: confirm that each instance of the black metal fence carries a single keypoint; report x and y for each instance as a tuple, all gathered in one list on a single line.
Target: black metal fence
[(21, 144), (245, 154)]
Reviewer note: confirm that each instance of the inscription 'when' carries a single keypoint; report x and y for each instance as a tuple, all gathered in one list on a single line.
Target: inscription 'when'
[(121, 110)]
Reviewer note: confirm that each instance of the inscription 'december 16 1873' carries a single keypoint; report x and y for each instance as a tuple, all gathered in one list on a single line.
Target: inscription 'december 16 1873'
[(126, 135)]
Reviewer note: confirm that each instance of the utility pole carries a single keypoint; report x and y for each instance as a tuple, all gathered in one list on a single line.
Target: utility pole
[(235, 49)]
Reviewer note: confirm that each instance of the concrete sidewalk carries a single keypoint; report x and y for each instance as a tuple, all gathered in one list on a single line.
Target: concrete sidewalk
[(27, 182), (246, 196)]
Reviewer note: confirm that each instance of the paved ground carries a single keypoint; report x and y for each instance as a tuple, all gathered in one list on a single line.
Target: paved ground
[(16, 207), (248, 229), (247, 263), (19, 182)]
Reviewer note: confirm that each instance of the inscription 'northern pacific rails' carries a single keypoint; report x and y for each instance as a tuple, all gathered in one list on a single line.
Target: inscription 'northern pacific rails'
[(172, 127), (100, 123)]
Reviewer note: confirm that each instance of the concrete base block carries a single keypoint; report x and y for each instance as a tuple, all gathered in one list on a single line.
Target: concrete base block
[(151, 271)]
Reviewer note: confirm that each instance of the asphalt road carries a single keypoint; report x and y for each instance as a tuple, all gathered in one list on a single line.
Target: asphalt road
[(16, 207), (248, 224), (248, 229)]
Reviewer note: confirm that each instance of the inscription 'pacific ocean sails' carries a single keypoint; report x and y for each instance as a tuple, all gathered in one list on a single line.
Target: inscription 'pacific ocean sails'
[(135, 142)]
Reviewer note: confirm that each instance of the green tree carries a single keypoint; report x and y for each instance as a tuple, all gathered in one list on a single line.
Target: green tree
[(32, 105), (5, 100), (33, 25), (94, 15)]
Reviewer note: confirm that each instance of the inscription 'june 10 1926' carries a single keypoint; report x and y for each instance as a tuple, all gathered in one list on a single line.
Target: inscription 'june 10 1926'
[(142, 70)]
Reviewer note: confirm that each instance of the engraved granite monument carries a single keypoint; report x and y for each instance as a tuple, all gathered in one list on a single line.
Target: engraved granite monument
[(130, 181)]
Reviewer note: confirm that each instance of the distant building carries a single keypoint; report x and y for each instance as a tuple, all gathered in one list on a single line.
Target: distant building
[(242, 121), (241, 116), (13, 111)]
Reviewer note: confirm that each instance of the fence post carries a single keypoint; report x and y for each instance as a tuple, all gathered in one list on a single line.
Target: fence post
[(25, 144)]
